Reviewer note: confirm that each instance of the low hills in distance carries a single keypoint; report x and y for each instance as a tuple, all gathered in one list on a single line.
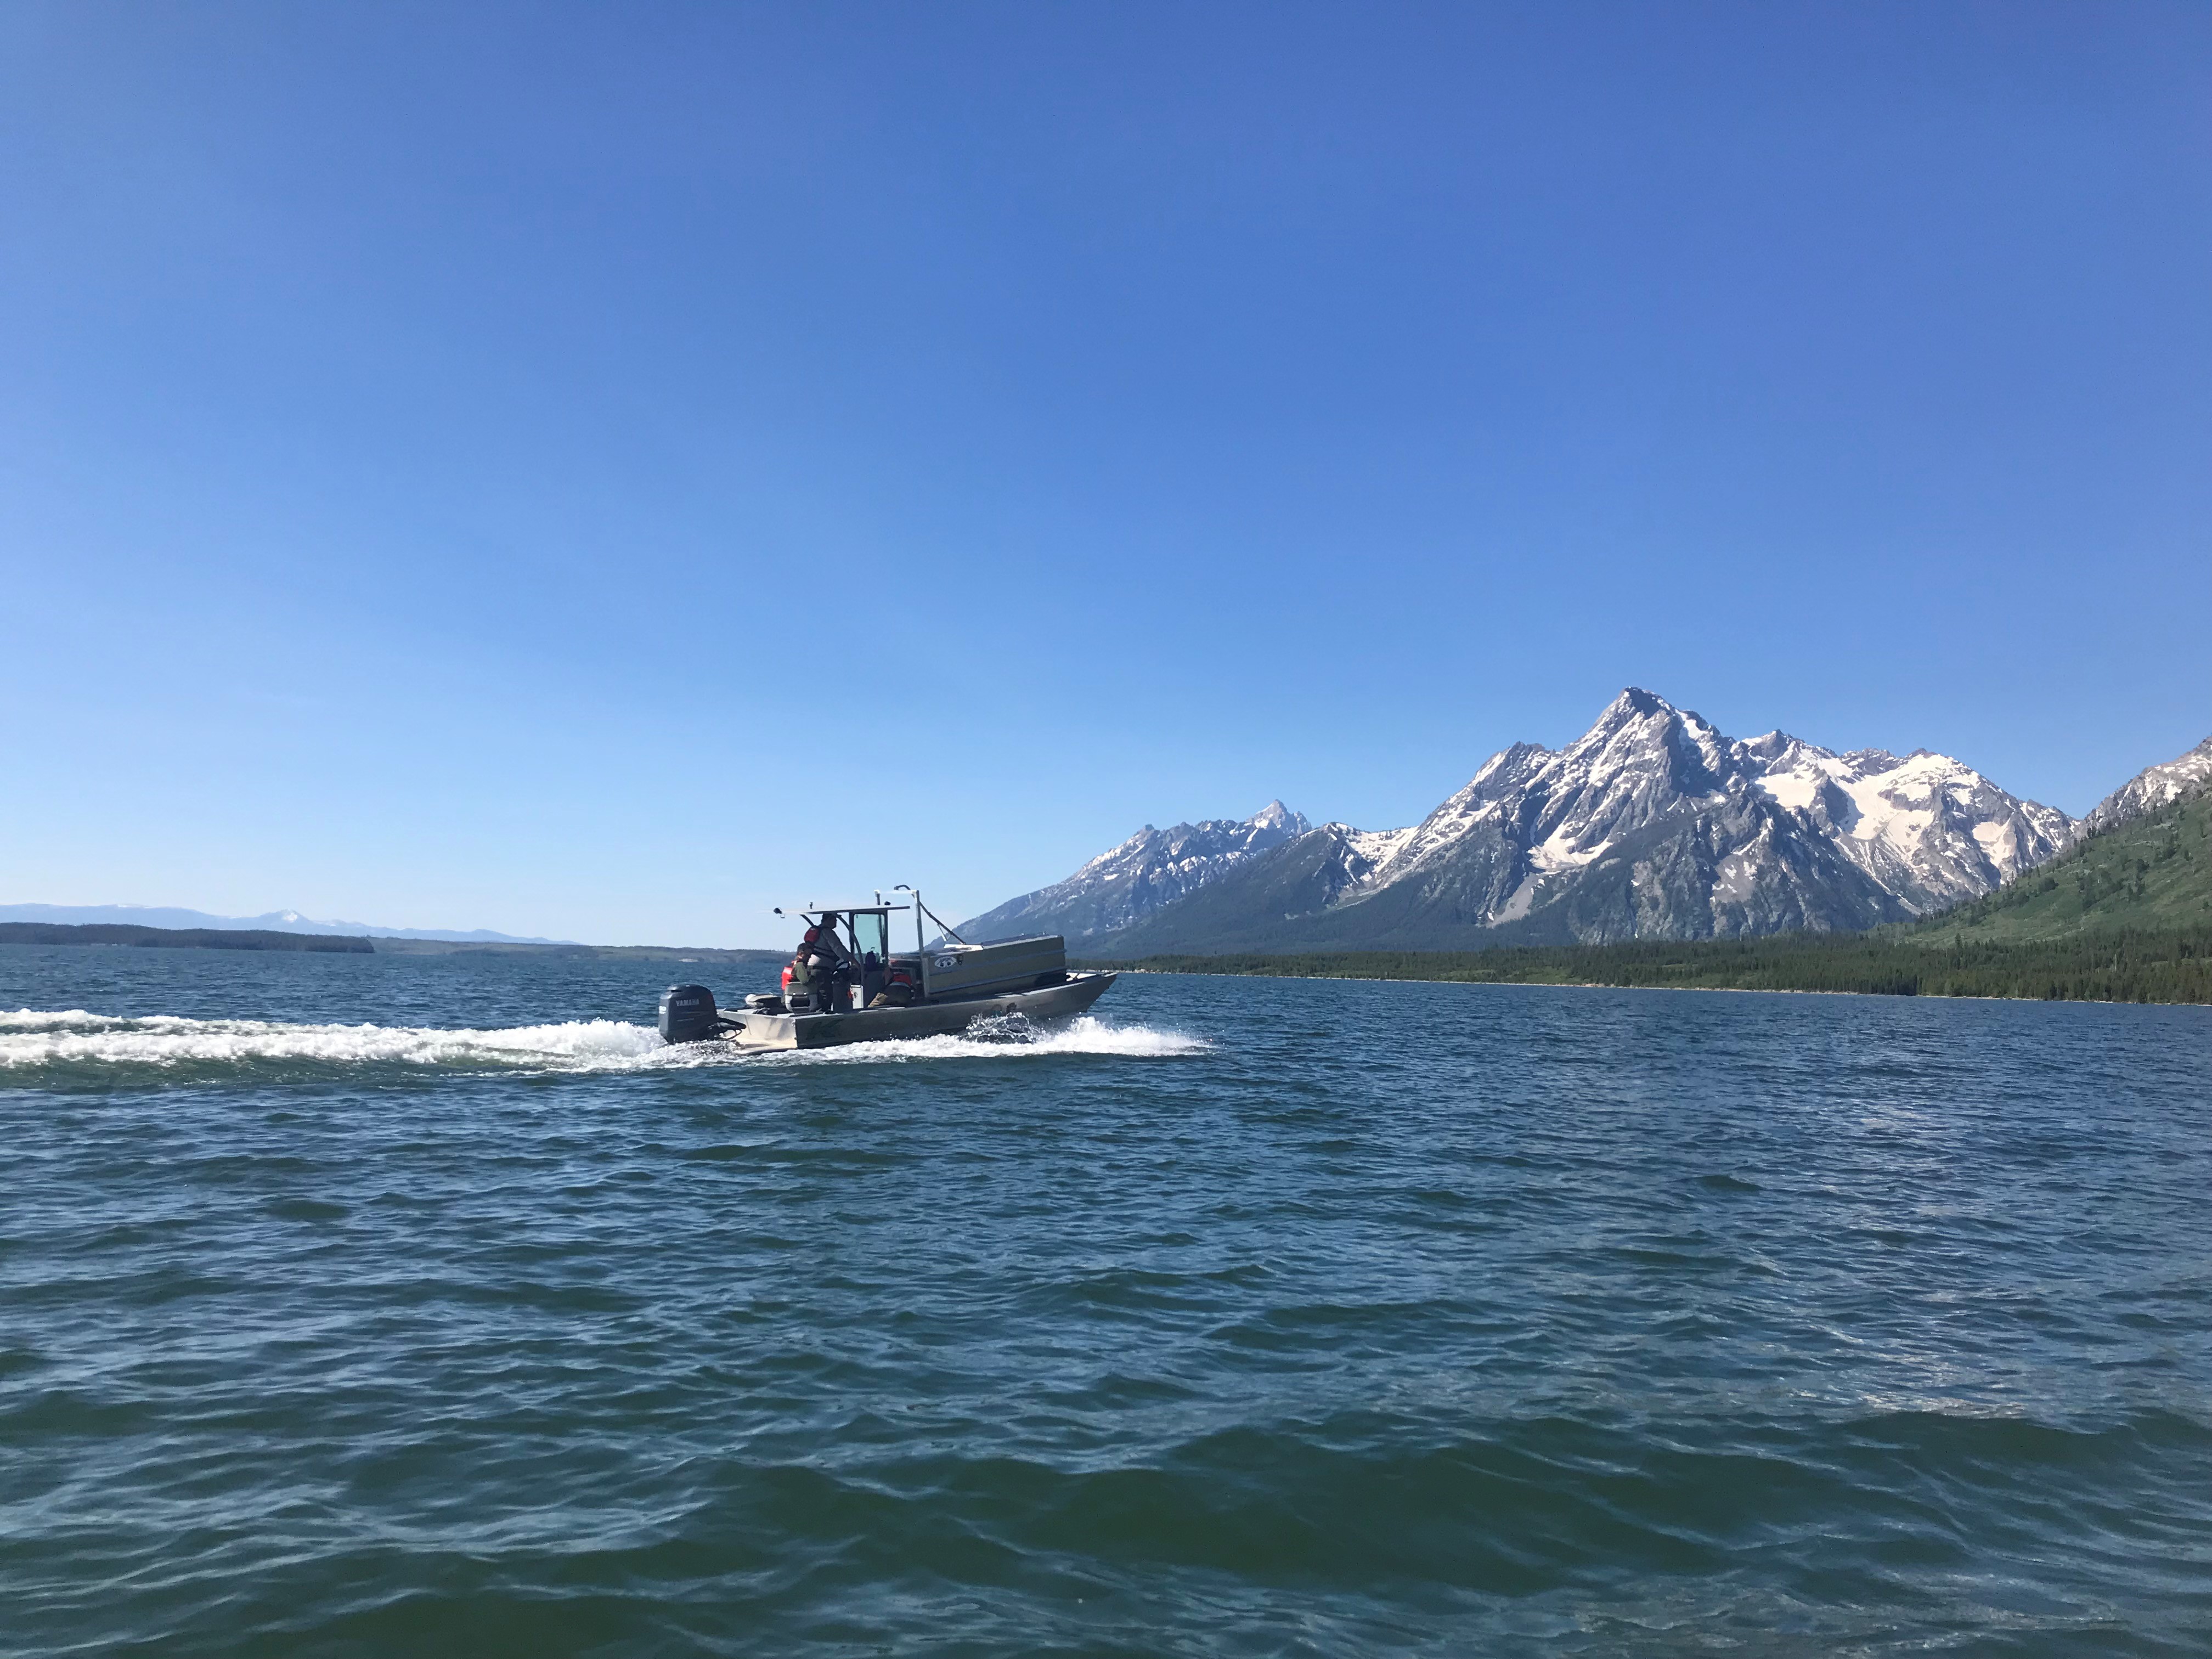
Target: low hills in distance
[(258, 938), (189, 939), (170, 919)]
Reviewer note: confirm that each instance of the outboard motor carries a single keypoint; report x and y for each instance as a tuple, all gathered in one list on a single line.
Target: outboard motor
[(687, 1014)]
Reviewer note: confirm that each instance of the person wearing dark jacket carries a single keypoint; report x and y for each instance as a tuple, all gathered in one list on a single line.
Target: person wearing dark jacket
[(821, 970)]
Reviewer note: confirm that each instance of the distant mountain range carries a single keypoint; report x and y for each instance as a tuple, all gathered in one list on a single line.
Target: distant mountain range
[(1652, 824), (285, 922)]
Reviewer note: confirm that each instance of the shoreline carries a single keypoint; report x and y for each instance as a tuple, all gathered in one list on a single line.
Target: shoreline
[(1604, 985), (2170, 968)]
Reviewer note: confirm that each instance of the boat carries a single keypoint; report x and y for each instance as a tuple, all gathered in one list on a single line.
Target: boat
[(846, 984)]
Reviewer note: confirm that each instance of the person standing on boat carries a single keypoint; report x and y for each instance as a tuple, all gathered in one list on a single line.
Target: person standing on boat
[(821, 970), (834, 972)]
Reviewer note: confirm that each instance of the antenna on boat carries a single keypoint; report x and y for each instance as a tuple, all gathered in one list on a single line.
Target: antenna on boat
[(920, 911)]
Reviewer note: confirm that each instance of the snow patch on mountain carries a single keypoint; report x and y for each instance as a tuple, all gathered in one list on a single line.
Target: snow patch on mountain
[(1558, 852), (2152, 787), (1929, 829), (1150, 869), (1378, 847)]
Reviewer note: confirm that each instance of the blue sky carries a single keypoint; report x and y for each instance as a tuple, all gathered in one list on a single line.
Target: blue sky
[(601, 471)]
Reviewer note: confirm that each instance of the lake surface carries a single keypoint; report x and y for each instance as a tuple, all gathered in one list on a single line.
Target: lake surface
[(415, 1305)]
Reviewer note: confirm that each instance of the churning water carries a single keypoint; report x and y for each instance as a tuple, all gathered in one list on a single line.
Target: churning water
[(407, 1305)]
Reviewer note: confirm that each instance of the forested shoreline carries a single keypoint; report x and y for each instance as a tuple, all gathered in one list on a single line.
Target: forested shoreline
[(2171, 965)]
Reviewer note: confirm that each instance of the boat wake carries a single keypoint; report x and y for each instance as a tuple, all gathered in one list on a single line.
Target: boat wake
[(31, 1038), (997, 1036)]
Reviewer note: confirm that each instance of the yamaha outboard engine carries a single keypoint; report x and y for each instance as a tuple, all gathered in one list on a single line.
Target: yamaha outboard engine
[(687, 1014)]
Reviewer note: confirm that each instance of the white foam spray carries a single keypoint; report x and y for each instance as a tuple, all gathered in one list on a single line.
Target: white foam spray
[(32, 1037), (1008, 1036)]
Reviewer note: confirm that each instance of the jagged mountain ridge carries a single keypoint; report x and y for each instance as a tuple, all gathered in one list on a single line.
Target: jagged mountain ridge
[(2147, 873), (1651, 825), (2154, 787), (1126, 883)]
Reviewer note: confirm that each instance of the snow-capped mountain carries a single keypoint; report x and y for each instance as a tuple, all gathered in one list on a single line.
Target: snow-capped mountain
[(1927, 828), (1653, 824), (1152, 868), (2152, 787)]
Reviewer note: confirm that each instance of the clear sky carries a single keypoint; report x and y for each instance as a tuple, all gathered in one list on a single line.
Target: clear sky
[(600, 471)]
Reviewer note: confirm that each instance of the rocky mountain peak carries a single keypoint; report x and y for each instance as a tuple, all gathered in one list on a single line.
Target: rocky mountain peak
[(2152, 787), (1276, 815), (1634, 715), (1876, 760), (1152, 868)]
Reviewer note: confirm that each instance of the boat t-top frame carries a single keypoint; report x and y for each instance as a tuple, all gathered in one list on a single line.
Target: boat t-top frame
[(866, 927)]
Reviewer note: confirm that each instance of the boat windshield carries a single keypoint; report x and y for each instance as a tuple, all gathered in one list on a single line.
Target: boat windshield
[(870, 933)]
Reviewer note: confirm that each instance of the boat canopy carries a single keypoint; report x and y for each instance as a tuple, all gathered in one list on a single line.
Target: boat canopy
[(873, 934)]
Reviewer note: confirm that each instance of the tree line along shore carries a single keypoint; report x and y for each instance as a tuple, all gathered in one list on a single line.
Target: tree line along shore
[(2122, 967)]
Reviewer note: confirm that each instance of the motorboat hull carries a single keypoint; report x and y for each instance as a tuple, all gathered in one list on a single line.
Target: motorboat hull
[(765, 1033)]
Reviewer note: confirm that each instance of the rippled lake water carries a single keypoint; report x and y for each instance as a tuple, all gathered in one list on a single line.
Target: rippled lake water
[(408, 1305)]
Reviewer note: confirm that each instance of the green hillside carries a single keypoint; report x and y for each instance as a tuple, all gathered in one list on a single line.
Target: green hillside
[(2152, 874)]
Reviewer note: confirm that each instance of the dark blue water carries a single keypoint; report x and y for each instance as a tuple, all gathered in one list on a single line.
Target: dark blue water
[(1255, 1317)]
